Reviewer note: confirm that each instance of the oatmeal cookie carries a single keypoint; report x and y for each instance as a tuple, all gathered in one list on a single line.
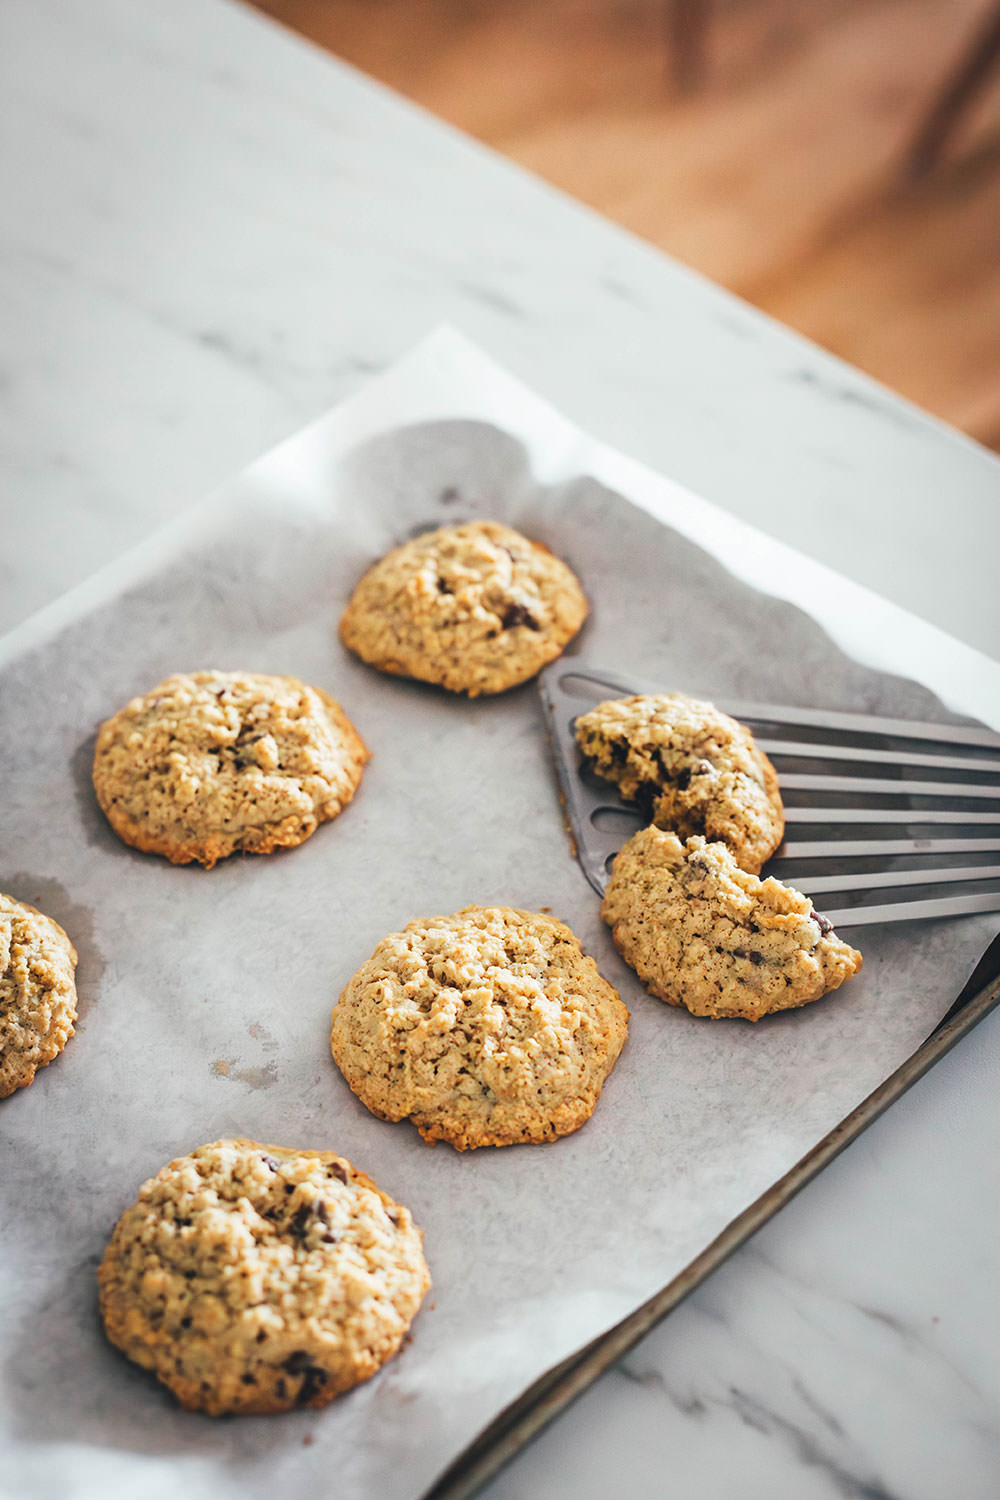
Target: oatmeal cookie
[(702, 933), (255, 1279), (37, 993), (476, 608), (209, 763), (485, 1028), (695, 768)]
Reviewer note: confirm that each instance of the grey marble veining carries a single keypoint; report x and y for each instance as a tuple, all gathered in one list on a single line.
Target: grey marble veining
[(211, 233), (848, 1350)]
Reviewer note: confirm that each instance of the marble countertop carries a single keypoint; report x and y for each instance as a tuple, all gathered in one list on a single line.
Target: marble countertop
[(212, 233)]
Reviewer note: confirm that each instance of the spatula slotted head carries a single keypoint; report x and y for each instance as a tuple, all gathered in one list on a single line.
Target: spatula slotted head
[(937, 784)]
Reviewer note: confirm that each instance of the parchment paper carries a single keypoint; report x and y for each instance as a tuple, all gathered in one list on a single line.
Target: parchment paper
[(205, 997)]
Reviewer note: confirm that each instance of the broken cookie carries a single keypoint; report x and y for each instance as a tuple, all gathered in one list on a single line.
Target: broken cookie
[(693, 769)]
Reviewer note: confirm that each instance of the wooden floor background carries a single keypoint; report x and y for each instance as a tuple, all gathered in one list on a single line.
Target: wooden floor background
[(779, 176)]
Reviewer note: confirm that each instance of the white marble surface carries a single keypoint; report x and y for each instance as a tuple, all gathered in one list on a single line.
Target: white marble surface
[(210, 234)]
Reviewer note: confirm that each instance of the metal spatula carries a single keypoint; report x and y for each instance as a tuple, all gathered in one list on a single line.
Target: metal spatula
[(895, 816)]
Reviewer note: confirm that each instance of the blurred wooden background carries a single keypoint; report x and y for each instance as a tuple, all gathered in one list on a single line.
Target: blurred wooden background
[(779, 174)]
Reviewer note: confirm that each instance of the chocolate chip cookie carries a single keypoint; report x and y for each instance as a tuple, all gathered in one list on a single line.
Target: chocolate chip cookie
[(209, 763), (37, 993), (696, 770), (702, 933), (255, 1279), (476, 608), (485, 1028)]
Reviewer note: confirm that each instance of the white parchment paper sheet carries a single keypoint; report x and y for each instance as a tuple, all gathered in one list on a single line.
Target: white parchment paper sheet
[(205, 997)]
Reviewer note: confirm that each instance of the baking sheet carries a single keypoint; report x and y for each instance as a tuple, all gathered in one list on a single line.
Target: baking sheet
[(205, 996)]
